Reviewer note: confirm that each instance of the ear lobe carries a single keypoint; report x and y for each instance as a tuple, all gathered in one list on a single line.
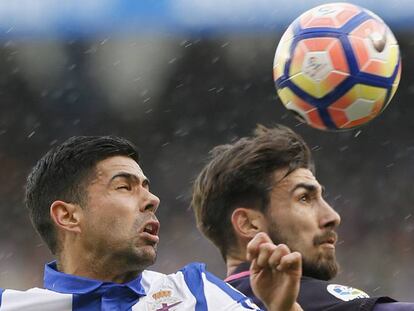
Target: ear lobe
[(247, 222), (66, 216)]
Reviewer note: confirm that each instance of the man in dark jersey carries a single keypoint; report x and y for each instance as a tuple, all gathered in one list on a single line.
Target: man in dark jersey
[(266, 183)]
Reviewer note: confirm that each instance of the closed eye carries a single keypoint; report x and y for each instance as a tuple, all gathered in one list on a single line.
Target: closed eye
[(126, 187)]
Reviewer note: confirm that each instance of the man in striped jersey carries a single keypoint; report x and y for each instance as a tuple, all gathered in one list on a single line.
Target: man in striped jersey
[(266, 183), (91, 203)]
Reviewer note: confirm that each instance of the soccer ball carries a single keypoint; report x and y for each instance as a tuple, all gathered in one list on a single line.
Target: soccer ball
[(337, 66)]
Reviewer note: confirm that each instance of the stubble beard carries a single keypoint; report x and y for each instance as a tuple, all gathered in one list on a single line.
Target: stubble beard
[(139, 259), (323, 267)]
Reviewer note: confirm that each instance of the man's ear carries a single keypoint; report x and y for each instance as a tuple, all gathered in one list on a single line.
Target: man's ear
[(248, 222), (66, 216)]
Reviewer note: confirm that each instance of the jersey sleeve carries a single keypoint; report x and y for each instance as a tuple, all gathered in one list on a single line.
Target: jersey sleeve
[(212, 293), (321, 295), (35, 299)]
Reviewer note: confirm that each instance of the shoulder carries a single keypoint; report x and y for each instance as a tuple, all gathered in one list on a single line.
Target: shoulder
[(189, 276), (320, 295), (329, 289), (191, 272), (48, 300), (195, 286)]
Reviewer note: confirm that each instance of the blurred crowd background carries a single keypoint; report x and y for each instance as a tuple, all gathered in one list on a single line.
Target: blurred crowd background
[(177, 78)]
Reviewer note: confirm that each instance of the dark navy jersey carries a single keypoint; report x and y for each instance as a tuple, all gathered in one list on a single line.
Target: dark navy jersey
[(315, 295)]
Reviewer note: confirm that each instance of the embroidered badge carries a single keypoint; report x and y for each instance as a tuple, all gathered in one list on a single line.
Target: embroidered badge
[(163, 300), (345, 293)]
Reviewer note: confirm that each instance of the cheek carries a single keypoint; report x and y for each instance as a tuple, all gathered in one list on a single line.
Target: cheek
[(299, 228), (108, 217)]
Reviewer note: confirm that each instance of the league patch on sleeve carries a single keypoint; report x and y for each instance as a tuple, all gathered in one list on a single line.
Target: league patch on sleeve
[(163, 300), (345, 293)]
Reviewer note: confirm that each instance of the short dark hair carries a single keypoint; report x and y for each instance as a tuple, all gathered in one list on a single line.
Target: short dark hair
[(242, 173), (62, 174)]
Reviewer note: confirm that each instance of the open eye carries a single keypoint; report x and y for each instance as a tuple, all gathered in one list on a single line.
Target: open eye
[(304, 198)]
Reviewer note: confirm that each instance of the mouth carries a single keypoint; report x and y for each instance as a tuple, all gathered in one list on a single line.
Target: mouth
[(152, 227), (150, 231), (328, 244), (328, 241)]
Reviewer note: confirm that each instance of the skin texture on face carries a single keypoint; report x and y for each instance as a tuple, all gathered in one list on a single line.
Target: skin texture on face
[(299, 217), (119, 228)]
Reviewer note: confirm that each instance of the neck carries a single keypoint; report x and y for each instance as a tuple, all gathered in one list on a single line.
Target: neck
[(233, 261), (102, 268)]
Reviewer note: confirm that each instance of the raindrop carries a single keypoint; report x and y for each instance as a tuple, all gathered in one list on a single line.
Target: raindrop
[(215, 60), (104, 41)]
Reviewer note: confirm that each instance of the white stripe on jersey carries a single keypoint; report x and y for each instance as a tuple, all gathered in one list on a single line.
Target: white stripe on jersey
[(217, 299), (35, 299)]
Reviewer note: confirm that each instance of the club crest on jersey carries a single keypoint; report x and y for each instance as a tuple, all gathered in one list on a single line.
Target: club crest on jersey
[(345, 293), (163, 300)]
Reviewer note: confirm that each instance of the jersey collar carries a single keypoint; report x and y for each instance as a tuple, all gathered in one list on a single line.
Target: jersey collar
[(72, 284), (241, 271)]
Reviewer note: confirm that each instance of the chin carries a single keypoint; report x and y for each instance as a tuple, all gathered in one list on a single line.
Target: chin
[(148, 255), (321, 269), (140, 258)]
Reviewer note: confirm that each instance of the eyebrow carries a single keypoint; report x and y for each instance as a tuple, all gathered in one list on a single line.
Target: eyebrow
[(130, 176), (308, 187)]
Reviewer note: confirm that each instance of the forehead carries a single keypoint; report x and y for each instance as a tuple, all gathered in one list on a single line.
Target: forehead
[(300, 175), (115, 164)]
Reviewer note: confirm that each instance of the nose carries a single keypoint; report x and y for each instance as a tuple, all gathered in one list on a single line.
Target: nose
[(329, 218), (152, 202)]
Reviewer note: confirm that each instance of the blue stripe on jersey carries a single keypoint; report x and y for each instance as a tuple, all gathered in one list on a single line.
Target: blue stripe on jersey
[(193, 279), (1, 294), (234, 294)]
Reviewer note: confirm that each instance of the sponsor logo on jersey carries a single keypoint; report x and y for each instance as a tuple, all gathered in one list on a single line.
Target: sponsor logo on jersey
[(345, 293), (163, 300)]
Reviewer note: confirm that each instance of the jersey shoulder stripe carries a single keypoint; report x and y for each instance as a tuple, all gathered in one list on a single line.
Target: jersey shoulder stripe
[(193, 278), (228, 289), (212, 292)]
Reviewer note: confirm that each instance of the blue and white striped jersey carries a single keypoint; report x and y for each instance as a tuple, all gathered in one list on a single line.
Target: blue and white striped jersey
[(192, 288)]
